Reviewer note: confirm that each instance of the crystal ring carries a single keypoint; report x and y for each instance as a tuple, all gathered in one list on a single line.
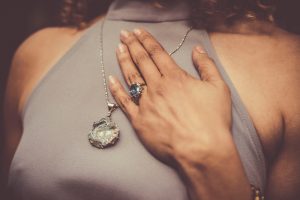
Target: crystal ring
[(136, 90)]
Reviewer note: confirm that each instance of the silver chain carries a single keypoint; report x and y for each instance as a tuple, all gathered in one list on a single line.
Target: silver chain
[(102, 57), (182, 41), (102, 64)]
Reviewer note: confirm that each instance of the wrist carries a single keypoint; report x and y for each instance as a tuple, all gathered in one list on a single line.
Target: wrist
[(213, 169), (205, 150)]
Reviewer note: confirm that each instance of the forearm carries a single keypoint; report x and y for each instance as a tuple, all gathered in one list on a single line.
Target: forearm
[(215, 174)]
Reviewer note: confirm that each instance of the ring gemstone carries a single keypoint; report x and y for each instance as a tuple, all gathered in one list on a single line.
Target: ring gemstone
[(136, 90)]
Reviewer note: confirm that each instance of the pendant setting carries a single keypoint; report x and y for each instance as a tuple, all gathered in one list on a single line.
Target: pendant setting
[(105, 132)]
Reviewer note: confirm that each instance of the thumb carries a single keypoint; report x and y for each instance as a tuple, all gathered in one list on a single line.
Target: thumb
[(205, 65)]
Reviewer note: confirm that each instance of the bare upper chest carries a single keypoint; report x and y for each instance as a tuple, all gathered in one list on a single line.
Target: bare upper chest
[(266, 75)]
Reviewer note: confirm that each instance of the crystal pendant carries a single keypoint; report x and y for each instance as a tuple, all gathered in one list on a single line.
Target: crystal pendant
[(105, 133)]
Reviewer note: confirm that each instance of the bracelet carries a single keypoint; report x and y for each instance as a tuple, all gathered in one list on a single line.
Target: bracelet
[(257, 194)]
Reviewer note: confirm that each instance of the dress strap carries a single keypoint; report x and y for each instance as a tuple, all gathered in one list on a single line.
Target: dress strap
[(247, 140), (142, 11)]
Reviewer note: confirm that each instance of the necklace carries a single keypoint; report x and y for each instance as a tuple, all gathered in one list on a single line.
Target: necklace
[(105, 132)]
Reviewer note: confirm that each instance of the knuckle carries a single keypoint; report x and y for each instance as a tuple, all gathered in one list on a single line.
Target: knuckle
[(206, 61), (155, 49), (178, 75), (140, 57), (211, 62), (136, 122), (204, 77), (160, 90), (123, 59), (114, 89), (183, 75), (130, 40), (134, 77), (144, 37), (124, 101)]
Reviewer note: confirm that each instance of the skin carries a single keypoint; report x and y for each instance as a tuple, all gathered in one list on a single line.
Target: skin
[(269, 89), (190, 131)]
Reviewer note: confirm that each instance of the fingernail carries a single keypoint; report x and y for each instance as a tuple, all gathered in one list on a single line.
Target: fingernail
[(200, 49), (121, 48), (124, 33), (111, 79), (137, 31)]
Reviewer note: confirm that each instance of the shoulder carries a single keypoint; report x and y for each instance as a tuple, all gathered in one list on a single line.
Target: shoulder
[(290, 44), (31, 61), (38, 45), (34, 57)]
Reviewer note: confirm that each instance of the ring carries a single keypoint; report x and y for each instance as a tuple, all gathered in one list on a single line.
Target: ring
[(136, 90)]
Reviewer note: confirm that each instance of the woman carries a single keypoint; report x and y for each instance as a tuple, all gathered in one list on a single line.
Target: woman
[(187, 134)]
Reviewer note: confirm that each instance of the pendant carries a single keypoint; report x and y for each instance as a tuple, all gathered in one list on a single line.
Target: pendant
[(105, 132)]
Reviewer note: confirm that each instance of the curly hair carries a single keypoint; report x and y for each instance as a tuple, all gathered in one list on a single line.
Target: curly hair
[(204, 13)]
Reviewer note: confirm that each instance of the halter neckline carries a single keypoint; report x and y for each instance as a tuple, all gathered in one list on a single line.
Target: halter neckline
[(146, 11)]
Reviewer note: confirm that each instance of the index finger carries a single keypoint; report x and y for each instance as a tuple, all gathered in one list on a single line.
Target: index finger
[(160, 57)]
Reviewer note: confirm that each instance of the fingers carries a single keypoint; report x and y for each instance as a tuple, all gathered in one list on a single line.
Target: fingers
[(161, 58), (130, 72), (205, 66), (140, 57), (122, 98)]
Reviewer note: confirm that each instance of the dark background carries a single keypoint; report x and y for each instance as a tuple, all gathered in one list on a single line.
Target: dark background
[(20, 18)]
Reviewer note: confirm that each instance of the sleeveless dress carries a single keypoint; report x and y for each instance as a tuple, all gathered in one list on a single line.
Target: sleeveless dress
[(54, 159)]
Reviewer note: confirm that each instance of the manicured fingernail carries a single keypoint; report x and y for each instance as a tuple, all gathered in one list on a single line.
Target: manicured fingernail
[(124, 33), (111, 79), (137, 31), (121, 48), (200, 49)]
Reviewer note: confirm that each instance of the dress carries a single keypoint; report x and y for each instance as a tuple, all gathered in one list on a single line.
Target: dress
[(54, 159)]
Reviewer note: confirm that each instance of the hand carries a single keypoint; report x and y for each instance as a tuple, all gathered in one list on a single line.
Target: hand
[(178, 115), (182, 120)]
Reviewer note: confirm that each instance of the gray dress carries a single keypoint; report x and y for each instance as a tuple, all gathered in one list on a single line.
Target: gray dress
[(54, 159)]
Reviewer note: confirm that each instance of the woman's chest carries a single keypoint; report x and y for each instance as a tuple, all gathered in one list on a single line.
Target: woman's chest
[(262, 86), (55, 149)]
